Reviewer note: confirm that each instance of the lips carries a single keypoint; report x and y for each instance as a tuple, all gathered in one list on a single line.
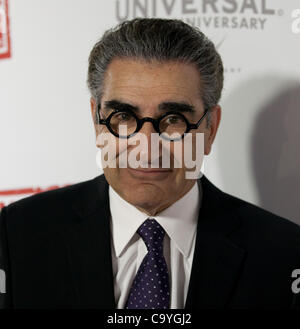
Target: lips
[(154, 173), (151, 170)]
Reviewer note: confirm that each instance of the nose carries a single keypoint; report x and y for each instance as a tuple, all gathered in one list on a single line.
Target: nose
[(148, 129)]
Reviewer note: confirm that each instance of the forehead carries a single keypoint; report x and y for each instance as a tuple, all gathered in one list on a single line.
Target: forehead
[(150, 83)]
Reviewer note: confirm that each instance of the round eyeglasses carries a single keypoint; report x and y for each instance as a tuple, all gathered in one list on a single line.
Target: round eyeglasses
[(125, 124)]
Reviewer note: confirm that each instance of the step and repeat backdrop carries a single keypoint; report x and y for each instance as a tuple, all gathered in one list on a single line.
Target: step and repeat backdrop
[(46, 132)]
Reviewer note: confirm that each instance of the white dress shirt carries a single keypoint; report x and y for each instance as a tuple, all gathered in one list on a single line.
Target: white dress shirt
[(128, 249)]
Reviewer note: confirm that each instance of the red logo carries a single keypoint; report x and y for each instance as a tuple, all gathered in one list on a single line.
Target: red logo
[(9, 196), (4, 30)]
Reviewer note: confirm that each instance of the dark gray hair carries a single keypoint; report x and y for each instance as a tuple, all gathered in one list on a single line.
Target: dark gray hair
[(161, 40)]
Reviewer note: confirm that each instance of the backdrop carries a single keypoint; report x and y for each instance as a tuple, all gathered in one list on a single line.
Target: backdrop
[(46, 131)]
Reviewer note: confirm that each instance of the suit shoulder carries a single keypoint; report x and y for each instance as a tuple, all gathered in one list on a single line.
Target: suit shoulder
[(46, 209), (263, 225), (62, 194)]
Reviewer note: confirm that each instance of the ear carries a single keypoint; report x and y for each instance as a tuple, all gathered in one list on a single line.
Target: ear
[(93, 108), (215, 118), (94, 117)]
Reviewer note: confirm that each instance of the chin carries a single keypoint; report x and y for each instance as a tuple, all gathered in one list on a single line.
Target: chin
[(144, 200), (148, 207)]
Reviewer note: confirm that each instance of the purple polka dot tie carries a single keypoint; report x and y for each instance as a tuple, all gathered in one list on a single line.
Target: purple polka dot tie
[(150, 288)]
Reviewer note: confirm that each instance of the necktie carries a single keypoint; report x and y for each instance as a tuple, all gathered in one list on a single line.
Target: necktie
[(150, 288)]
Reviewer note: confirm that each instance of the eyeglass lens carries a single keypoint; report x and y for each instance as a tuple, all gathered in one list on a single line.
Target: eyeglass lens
[(125, 124)]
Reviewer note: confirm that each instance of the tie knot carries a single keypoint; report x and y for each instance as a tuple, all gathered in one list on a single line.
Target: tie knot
[(153, 234)]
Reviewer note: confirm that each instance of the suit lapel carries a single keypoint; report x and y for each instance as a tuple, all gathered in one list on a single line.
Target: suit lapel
[(216, 264), (89, 249), (217, 259)]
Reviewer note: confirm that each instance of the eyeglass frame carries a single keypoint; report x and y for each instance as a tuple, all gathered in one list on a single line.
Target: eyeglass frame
[(155, 122)]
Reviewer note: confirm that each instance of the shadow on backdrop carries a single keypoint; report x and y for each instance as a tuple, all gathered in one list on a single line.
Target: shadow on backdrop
[(276, 153), (266, 112)]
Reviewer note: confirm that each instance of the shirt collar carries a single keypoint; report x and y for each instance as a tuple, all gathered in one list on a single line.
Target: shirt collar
[(178, 220)]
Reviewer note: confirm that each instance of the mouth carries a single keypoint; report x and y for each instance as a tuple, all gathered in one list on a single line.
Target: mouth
[(153, 172)]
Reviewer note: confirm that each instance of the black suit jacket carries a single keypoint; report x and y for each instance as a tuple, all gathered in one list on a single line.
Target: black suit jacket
[(55, 249)]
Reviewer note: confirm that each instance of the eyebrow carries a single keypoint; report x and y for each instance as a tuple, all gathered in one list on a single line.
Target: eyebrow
[(182, 107), (177, 106)]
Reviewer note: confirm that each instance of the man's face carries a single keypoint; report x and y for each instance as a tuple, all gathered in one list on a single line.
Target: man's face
[(147, 86)]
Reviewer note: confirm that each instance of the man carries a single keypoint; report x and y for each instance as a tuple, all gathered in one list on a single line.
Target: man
[(144, 237)]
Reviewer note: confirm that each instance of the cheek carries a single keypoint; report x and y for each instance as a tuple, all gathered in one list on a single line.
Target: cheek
[(186, 147), (207, 143), (100, 129), (189, 151)]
